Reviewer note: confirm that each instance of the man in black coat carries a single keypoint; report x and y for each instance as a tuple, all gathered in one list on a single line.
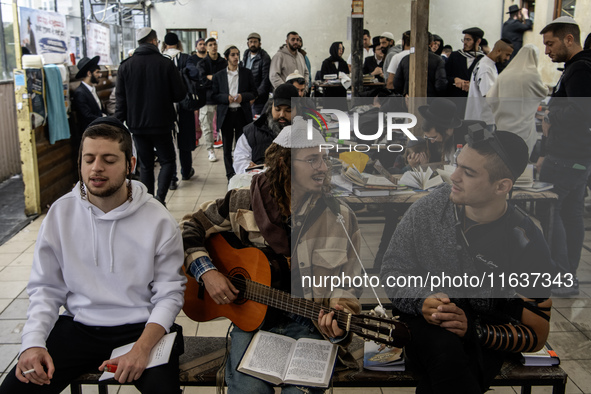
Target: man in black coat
[(436, 78), (565, 160), (85, 101), (258, 61), (517, 24), (233, 89), (148, 85), (460, 64)]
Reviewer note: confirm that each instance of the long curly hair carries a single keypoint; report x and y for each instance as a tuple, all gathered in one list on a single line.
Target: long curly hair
[(278, 162)]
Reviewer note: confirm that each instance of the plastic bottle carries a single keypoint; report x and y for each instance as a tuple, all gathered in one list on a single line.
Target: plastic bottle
[(454, 161)]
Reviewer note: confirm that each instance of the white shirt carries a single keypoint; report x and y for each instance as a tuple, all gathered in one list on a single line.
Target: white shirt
[(393, 66), (242, 155), (93, 92), (482, 79), (366, 53), (233, 85)]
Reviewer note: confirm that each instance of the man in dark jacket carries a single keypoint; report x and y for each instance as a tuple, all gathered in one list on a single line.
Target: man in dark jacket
[(148, 84), (460, 64), (233, 89), (258, 135), (258, 61), (517, 24), (436, 78), (210, 65), (567, 143), (85, 101)]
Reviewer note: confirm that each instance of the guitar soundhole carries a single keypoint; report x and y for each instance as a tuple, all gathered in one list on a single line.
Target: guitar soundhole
[(238, 277)]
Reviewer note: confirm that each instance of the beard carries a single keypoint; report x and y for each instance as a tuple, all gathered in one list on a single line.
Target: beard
[(94, 80), (254, 49), (293, 48), (275, 125)]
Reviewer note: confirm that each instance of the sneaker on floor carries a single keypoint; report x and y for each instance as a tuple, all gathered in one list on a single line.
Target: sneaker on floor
[(174, 184), (211, 155), (218, 144), (186, 178)]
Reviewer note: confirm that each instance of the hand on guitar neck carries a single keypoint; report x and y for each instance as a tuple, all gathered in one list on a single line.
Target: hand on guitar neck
[(219, 287), (328, 325)]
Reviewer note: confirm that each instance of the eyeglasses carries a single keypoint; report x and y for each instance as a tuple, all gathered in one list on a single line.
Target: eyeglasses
[(429, 138), (317, 161), (466, 40), (478, 134)]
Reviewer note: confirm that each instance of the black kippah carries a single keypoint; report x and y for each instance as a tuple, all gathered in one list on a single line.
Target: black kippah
[(516, 150), (110, 120)]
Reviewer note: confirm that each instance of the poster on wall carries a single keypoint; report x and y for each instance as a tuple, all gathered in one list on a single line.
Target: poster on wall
[(98, 42), (44, 33)]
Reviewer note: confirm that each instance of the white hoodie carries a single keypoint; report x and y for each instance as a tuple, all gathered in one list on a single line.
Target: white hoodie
[(106, 269)]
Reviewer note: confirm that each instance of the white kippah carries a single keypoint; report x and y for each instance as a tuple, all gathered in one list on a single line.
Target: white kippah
[(563, 19), (296, 135), (142, 33), (294, 75)]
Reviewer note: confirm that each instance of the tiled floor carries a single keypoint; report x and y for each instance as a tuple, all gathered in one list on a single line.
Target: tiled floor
[(570, 325)]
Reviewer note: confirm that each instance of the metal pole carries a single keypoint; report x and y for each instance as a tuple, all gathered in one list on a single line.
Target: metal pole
[(83, 24), (3, 45)]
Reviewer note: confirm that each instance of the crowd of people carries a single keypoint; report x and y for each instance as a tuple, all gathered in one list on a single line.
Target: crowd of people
[(121, 281)]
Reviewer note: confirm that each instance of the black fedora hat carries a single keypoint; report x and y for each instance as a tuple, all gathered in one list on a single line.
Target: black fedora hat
[(85, 64), (513, 8), (441, 112)]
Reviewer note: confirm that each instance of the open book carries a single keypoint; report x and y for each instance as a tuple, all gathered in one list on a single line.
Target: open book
[(280, 359), (420, 179), (542, 358), (353, 175), (378, 357), (158, 356)]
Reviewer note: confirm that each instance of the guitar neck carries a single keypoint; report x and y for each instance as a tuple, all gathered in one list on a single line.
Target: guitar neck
[(283, 301)]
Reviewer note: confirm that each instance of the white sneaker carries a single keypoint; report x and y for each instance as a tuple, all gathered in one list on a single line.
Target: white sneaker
[(211, 156)]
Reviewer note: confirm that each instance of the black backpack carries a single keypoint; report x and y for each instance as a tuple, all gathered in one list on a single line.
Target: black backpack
[(196, 93)]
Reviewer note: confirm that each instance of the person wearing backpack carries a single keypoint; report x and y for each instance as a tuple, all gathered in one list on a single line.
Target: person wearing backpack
[(172, 47)]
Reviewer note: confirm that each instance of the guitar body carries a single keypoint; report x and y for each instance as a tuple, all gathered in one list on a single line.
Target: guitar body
[(246, 263)]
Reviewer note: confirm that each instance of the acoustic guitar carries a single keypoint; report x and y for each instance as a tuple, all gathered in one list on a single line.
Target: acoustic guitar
[(248, 269)]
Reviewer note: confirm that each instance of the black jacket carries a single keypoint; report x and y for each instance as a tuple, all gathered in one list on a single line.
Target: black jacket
[(147, 86), (513, 31), (206, 67), (370, 64), (86, 107), (456, 66), (570, 118), (259, 137), (328, 66), (221, 90), (436, 78), (260, 73)]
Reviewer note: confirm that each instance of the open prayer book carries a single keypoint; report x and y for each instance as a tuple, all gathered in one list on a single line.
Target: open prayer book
[(159, 355), (420, 179), (280, 359)]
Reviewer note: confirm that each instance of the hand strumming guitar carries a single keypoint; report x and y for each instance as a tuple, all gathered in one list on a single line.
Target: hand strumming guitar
[(219, 287)]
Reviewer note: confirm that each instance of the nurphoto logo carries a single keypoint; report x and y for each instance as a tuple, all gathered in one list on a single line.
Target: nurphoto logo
[(344, 129)]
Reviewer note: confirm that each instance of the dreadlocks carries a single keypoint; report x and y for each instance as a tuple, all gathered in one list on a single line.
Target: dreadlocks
[(278, 161)]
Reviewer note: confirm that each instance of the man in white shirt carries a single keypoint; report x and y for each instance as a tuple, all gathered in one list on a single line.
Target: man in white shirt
[(233, 89), (483, 77), (393, 66), (367, 49)]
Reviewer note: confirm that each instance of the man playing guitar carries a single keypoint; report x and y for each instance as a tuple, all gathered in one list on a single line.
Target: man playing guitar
[(287, 215)]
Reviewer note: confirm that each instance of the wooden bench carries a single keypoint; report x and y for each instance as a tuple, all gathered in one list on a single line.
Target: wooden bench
[(203, 356)]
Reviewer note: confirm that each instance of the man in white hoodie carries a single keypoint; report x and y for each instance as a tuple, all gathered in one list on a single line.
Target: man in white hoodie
[(110, 254)]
